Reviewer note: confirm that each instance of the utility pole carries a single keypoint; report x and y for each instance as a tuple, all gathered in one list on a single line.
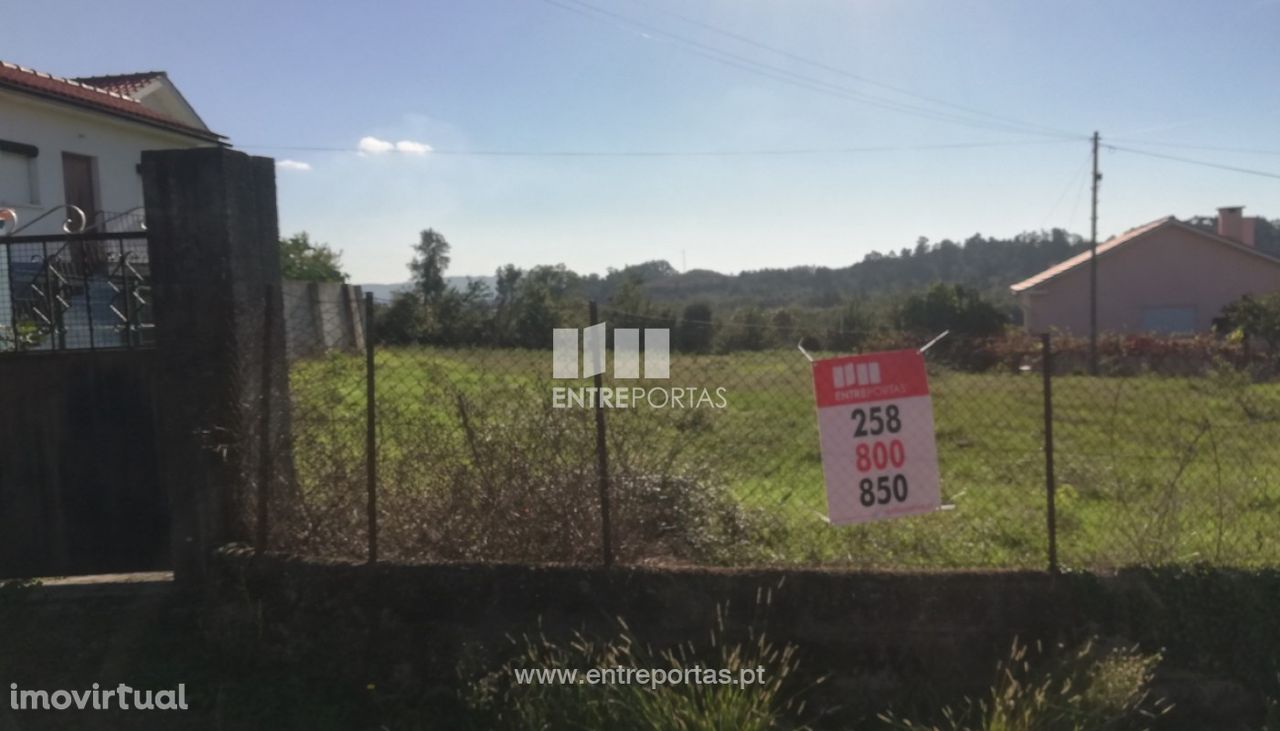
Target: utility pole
[(1093, 266)]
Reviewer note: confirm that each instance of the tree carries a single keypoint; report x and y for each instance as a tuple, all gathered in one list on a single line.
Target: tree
[(1257, 318), (506, 282), (536, 312), (952, 307), (430, 261), (851, 327), (399, 323), (782, 325), (300, 259), (744, 331), (694, 333), (462, 317)]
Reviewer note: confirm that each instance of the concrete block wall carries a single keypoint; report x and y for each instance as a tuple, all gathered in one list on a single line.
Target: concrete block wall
[(322, 316)]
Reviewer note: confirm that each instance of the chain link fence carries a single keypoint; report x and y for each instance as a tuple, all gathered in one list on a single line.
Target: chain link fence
[(417, 452)]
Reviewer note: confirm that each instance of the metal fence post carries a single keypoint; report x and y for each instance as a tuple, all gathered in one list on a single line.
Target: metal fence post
[(262, 539), (370, 437), (602, 463), (1050, 482)]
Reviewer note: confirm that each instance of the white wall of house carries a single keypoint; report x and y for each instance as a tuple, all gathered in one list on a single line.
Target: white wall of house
[(31, 186)]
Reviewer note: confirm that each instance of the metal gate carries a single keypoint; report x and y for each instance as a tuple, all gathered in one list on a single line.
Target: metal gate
[(79, 490)]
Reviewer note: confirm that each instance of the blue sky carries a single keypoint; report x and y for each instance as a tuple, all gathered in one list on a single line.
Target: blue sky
[(529, 75)]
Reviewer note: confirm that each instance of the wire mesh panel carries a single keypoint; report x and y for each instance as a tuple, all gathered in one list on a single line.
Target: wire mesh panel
[(323, 511), (490, 453), (709, 454), (88, 291), (1162, 469), (744, 440)]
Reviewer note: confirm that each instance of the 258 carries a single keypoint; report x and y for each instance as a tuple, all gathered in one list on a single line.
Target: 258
[(876, 421)]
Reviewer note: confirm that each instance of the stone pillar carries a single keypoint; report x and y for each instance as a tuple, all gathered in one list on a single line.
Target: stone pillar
[(214, 241)]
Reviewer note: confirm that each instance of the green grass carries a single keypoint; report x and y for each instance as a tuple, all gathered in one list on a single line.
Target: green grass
[(1151, 469)]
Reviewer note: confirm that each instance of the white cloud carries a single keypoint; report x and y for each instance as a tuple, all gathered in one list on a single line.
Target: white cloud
[(410, 147), (374, 146), (293, 165)]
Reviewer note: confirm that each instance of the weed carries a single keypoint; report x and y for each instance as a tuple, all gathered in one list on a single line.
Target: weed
[(1092, 688)]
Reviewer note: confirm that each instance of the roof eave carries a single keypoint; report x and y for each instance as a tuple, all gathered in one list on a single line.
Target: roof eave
[(206, 135), (1031, 282)]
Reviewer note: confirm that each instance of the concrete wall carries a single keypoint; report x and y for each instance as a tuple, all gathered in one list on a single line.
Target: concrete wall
[(322, 316), (1169, 267), (882, 639)]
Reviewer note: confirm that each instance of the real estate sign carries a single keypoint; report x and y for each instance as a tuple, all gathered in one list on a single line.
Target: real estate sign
[(875, 423)]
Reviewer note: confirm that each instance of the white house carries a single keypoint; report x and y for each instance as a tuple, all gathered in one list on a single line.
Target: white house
[(80, 142)]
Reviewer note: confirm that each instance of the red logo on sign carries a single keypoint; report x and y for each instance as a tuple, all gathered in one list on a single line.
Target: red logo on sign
[(874, 377)]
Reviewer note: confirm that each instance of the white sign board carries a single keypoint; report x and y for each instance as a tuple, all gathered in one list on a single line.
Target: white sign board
[(875, 422)]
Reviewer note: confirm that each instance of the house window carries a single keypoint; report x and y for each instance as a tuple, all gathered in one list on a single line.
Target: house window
[(18, 174), (1169, 320)]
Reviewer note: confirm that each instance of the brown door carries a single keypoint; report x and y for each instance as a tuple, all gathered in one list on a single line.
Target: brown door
[(77, 189), (77, 184)]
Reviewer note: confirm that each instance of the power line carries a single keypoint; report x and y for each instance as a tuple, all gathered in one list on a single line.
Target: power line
[(1072, 184), (1188, 146), (786, 76), (1203, 163), (777, 152), (850, 75)]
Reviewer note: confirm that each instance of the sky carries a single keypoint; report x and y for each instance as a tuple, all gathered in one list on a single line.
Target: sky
[(841, 118)]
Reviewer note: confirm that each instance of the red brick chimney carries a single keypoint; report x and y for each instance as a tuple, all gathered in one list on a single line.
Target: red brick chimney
[(1232, 224)]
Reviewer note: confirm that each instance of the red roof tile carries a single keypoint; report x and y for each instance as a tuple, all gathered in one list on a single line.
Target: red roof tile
[(84, 95), (123, 84)]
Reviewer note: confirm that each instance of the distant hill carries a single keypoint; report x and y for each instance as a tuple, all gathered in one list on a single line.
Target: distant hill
[(987, 264), (385, 291)]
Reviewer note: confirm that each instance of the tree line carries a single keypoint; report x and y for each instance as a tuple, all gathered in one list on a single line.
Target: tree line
[(918, 291), (524, 306)]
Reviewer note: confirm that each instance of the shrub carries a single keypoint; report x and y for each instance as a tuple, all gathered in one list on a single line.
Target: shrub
[(1093, 688), (512, 479)]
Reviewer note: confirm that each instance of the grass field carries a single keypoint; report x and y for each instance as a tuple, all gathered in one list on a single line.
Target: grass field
[(1151, 470)]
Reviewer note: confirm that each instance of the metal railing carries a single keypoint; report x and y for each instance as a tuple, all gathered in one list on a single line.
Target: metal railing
[(75, 291)]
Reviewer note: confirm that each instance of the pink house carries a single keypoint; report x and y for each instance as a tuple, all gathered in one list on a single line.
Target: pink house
[(1166, 276)]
